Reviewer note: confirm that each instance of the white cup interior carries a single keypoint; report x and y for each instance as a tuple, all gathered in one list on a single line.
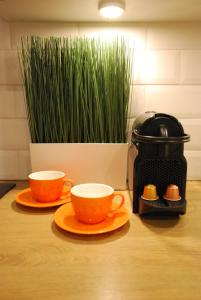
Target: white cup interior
[(92, 190), (46, 175)]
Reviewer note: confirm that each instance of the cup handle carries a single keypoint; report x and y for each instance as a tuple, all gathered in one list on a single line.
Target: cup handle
[(113, 211), (71, 183)]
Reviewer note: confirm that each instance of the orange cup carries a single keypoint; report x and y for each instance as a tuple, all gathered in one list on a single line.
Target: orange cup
[(92, 202), (47, 186), (150, 192), (172, 193)]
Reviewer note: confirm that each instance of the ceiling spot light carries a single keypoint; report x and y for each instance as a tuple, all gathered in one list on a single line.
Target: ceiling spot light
[(111, 9)]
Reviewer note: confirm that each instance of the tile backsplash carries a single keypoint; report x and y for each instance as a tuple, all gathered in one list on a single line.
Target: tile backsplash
[(166, 78)]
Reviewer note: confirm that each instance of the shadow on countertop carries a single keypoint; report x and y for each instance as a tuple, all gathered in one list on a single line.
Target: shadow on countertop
[(102, 238), (160, 223), (31, 210)]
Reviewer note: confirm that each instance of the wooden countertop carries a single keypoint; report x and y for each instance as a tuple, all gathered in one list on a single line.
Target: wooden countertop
[(146, 259)]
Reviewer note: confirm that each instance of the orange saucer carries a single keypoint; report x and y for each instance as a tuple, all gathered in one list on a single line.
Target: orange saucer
[(65, 218), (25, 198)]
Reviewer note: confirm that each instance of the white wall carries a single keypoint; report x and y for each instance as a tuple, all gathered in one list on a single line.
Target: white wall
[(167, 78)]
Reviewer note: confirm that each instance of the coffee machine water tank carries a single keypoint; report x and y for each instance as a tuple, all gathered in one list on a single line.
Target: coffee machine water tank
[(133, 149)]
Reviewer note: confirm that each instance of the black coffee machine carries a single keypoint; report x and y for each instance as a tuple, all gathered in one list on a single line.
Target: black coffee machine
[(156, 157)]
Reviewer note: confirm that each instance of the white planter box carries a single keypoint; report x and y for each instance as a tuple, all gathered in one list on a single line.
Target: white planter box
[(102, 163)]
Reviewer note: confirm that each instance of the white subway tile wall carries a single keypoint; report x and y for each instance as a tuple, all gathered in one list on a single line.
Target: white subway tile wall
[(9, 165), (12, 102), (10, 68), (190, 67), (194, 164), (137, 100), (136, 35), (5, 37), (173, 35), (14, 134), (193, 127), (157, 67), (166, 78), (24, 164), (44, 29), (180, 100)]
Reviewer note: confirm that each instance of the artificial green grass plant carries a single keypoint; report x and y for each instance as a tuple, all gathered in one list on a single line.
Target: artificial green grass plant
[(77, 89)]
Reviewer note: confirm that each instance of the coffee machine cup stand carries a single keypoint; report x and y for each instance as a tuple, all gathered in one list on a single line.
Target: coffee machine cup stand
[(156, 160)]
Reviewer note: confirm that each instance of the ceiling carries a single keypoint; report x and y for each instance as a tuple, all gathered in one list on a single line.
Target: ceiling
[(87, 10)]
